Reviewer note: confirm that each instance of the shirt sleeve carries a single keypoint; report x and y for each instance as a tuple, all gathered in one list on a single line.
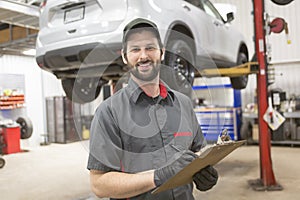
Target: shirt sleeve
[(105, 150)]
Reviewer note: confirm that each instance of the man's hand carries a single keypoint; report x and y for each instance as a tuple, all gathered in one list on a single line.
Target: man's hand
[(162, 174), (206, 178)]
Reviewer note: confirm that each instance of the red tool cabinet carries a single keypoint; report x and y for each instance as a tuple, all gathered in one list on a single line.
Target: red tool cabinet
[(10, 139)]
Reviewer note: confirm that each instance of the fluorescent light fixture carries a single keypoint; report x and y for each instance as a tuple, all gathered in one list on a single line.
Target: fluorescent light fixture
[(30, 52)]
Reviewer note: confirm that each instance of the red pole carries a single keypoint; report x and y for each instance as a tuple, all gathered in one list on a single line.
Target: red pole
[(267, 178)]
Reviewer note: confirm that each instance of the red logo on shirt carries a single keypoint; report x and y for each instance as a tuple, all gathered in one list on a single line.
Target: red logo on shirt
[(178, 134)]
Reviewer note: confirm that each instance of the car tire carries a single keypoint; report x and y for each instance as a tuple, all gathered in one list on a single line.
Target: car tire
[(282, 2), (240, 82), (178, 68), (82, 90), (26, 127), (2, 163)]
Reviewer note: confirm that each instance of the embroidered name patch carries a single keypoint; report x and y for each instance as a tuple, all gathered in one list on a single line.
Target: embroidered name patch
[(180, 134)]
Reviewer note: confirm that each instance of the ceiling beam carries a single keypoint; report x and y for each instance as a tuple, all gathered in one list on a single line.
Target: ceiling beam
[(20, 14)]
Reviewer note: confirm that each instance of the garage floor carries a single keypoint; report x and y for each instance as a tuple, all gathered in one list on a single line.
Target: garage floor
[(58, 171)]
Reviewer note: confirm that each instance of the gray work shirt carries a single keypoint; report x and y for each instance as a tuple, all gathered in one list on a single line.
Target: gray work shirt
[(132, 132)]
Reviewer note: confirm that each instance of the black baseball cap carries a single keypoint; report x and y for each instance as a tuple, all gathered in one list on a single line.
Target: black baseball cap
[(140, 23)]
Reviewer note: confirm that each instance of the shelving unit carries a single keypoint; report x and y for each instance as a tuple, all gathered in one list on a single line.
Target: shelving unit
[(287, 134), (12, 95), (12, 101)]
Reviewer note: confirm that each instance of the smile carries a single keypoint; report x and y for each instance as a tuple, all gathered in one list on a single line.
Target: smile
[(144, 66)]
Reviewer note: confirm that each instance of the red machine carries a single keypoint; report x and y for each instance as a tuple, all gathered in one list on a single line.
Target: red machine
[(11, 139), (10, 134)]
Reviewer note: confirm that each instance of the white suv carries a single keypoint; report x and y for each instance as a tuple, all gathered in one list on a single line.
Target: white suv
[(80, 41)]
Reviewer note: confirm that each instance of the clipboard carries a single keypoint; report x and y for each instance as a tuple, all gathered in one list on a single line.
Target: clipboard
[(209, 156)]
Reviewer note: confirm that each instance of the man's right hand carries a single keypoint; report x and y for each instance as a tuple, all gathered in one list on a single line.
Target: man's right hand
[(162, 174)]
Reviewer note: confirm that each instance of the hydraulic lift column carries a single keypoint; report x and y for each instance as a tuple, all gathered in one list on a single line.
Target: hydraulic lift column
[(267, 179)]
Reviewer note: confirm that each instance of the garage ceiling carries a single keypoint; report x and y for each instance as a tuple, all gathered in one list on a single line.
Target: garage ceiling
[(19, 25)]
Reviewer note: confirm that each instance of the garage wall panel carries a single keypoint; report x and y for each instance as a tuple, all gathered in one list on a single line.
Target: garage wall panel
[(287, 78), (280, 50), (284, 57), (37, 85)]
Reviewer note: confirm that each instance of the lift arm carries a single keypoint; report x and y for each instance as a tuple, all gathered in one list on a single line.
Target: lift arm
[(240, 70)]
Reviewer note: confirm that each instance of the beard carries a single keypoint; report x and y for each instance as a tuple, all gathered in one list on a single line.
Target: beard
[(150, 75)]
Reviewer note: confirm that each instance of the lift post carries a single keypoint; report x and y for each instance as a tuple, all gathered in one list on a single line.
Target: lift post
[(267, 179)]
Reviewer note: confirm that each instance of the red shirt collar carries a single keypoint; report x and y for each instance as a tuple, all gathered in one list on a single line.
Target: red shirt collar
[(163, 90)]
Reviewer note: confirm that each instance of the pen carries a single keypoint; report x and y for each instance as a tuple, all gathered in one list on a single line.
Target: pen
[(181, 150)]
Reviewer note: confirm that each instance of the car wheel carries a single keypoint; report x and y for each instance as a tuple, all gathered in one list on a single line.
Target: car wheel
[(178, 68), (282, 2), (25, 126), (82, 90), (2, 162), (241, 81)]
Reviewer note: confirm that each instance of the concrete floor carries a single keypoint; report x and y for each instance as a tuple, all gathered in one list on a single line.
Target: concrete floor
[(58, 172)]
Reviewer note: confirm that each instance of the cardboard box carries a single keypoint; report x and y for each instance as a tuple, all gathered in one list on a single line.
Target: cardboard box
[(16, 32)]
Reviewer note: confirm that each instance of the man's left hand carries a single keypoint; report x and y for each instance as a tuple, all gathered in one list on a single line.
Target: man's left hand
[(206, 178)]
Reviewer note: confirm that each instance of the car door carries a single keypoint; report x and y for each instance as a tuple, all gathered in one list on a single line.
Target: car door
[(201, 27), (224, 44), (210, 36)]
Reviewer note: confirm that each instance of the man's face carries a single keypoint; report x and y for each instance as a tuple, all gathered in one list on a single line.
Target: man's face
[(143, 55)]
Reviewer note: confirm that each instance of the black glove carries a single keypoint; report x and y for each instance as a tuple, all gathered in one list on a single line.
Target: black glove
[(179, 161), (206, 178)]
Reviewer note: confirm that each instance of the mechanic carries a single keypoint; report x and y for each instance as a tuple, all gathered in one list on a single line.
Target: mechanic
[(145, 133)]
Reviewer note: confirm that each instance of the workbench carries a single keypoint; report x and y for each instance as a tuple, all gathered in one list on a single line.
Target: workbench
[(290, 128)]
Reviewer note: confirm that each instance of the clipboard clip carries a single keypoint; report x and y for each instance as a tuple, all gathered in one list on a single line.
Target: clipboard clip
[(224, 137)]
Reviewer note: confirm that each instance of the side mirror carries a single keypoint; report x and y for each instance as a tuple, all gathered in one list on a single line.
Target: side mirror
[(230, 17)]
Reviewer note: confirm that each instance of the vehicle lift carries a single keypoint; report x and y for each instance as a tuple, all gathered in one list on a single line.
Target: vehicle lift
[(243, 69), (267, 179)]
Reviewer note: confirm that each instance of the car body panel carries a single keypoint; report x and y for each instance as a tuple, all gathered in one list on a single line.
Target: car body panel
[(62, 44)]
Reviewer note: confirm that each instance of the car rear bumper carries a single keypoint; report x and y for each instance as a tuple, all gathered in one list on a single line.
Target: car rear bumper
[(81, 56)]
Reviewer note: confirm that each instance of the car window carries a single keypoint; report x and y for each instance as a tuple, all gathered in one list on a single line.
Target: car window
[(211, 10), (196, 3)]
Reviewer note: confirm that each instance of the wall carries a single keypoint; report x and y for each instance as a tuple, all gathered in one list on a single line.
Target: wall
[(38, 84), (285, 58)]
